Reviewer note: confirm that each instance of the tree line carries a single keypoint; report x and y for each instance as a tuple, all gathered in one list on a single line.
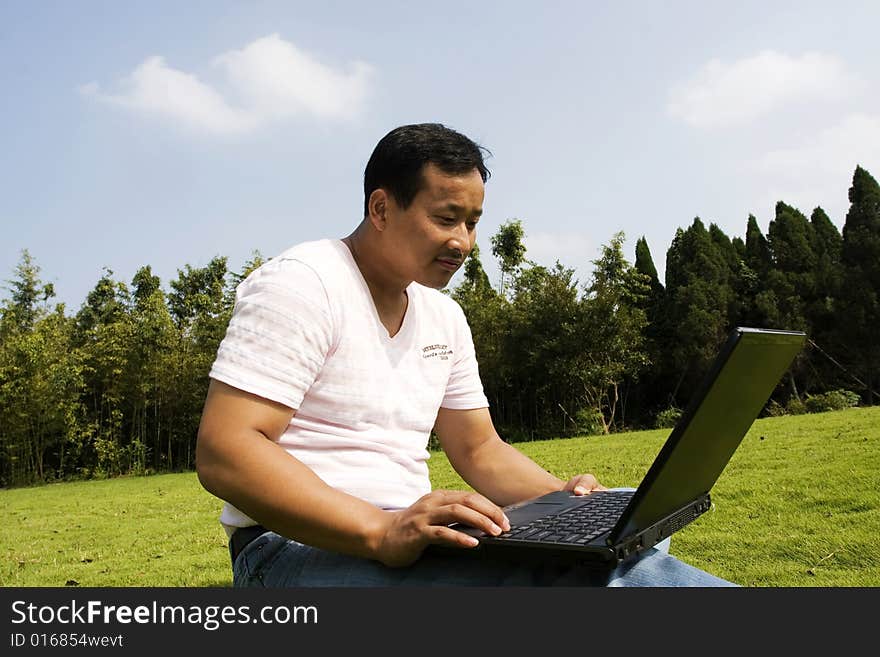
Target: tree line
[(118, 386), (625, 350)]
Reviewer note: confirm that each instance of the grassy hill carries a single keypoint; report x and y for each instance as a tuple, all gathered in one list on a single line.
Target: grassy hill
[(798, 505)]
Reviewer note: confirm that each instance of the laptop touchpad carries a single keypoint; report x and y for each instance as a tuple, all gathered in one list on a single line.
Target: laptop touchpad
[(532, 511)]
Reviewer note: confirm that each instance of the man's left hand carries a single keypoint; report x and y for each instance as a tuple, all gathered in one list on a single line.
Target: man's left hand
[(583, 484)]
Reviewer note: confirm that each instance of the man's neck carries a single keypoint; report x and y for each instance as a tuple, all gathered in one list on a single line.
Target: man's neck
[(389, 294)]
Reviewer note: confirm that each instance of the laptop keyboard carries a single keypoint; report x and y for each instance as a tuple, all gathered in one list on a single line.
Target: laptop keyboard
[(576, 526)]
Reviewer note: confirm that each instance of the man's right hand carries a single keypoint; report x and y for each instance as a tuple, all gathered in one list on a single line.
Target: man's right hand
[(408, 532), (240, 460)]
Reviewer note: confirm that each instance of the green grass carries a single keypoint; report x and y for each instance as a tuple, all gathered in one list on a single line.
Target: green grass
[(798, 505)]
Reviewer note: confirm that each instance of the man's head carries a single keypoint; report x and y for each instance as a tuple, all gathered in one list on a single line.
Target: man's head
[(399, 159), (423, 187)]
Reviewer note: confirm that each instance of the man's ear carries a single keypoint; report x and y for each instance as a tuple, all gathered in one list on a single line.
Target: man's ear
[(378, 207)]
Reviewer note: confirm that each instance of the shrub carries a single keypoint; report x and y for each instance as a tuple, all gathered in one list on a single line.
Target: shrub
[(795, 406), (589, 422), (774, 409), (834, 400), (668, 418)]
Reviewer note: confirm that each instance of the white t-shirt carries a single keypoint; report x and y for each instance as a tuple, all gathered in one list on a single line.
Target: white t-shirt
[(305, 333)]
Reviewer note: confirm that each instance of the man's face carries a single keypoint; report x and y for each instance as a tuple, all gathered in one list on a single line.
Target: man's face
[(429, 240)]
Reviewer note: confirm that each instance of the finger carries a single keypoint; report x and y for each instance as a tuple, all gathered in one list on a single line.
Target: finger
[(459, 513), (480, 504), (583, 484), (445, 536)]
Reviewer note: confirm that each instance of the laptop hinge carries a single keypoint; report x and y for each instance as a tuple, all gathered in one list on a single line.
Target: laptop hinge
[(662, 529)]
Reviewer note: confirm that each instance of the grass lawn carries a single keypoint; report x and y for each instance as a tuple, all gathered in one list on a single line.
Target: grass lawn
[(798, 505)]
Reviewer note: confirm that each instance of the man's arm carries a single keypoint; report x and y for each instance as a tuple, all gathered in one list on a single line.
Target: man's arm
[(494, 468), (238, 459)]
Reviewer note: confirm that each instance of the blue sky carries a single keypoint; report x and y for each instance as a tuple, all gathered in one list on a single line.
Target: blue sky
[(167, 133)]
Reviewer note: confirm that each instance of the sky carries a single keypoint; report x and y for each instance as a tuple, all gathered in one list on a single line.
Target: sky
[(168, 133)]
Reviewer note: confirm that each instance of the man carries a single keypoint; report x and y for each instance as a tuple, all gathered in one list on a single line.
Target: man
[(340, 358)]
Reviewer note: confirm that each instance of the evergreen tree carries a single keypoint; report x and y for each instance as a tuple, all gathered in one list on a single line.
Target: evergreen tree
[(740, 247), (757, 253), (644, 264), (822, 306), (698, 294), (649, 396), (860, 257), (730, 272), (792, 278), (757, 300)]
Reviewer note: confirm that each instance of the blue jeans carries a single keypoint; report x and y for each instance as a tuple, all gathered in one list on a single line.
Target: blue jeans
[(274, 561)]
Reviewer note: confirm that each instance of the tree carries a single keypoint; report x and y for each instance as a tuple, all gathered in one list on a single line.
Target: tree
[(200, 304), (698, 297), (613, 325), (860, 257), (654, 300), (794, 262), (103, 334), (649, 394), (539, 348), (757, 252), (644, 264), (235, 278), (105, 304), (144, 285), (23, 309), (757, 301), (487, 315), (198, 293), (822, 307), (40, 382), (151, 356), (508, 247), (475, 278), (730, 270)]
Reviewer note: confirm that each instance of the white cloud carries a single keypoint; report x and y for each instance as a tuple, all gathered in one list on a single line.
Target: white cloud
[(821, 171), (725, 94), (271, 79), (155, 88), (277, 80)]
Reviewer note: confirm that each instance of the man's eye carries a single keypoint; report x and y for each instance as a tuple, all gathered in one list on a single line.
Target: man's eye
[(448, 220)]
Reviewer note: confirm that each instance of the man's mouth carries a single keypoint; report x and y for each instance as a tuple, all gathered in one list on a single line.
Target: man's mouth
[(449, 263)]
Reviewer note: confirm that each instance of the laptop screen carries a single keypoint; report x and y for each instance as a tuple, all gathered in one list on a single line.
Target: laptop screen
[(742, 378)]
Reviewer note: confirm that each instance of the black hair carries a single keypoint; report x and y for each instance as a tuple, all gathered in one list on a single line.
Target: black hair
[(398, 159)]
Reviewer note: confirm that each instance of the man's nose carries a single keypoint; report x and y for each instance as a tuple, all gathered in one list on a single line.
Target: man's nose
[(460, 239)]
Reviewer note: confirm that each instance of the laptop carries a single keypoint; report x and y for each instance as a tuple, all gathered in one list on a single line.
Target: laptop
[(607, 527)]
